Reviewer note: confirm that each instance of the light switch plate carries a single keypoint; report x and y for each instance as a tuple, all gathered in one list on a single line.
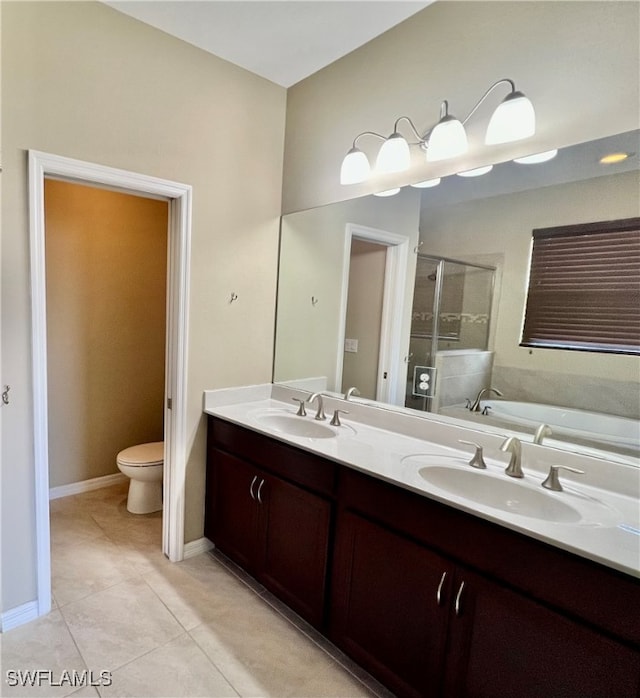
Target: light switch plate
[(351, 345)]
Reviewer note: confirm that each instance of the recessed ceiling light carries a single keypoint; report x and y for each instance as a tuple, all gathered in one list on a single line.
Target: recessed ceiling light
[(537, 157), (388, 192), (612, 158), (427, 183), (477, 172)]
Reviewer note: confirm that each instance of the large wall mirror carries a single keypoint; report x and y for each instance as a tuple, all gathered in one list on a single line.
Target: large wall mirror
[(418, 299)]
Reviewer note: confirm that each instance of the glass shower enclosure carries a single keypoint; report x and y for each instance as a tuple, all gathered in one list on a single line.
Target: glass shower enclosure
[(450, 316)]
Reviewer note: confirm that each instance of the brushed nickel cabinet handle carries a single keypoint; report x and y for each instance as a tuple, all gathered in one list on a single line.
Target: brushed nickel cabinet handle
[(260, 486), (458, 599), (253, 482), (439, 592)]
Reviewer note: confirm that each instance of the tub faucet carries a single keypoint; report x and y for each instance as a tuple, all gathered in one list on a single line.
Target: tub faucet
[(542, 431), (475, 405), (320, 415), (350, 392), (512, 445)]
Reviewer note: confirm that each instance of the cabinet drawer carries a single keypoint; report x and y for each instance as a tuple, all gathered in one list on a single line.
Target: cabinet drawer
[(290, 463), (591, 592)]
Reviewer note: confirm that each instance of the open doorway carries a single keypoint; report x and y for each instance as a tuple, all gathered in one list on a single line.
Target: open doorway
[(43, 166), (389, 252), (364, 317), (106, 279)]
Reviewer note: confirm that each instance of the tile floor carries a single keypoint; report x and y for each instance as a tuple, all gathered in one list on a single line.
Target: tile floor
[(194, 628)]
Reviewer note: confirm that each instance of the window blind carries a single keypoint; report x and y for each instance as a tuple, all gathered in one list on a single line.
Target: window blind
[(584, 288)]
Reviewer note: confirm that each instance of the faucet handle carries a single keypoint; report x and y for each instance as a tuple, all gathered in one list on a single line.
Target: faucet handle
[(335, 420), (477, 461), (552, 481), (301, 410)]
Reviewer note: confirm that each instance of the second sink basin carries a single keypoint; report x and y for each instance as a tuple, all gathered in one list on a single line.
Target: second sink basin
[(506, 495)]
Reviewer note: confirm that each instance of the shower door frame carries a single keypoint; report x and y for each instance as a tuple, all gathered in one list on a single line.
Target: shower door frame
[(437, 299)]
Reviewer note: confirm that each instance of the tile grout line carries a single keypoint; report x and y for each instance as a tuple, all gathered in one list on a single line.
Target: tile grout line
[(303, 627), (334, 655)]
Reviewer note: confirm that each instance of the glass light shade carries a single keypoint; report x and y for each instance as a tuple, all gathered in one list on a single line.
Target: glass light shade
[(394, 155), (388, 192), (537, 157), (477, 172), (355, 167), (427, 183), (447, 140), (513, 120)]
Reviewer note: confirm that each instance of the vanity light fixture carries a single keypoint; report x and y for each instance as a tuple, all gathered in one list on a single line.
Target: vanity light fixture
[(427, 183), (394, 155), (448, 139), (537, 157), (477, 172), (512, 120), (388, 192)]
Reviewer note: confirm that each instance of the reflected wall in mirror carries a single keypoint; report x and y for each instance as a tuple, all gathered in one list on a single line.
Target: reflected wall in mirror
[(487, 222)]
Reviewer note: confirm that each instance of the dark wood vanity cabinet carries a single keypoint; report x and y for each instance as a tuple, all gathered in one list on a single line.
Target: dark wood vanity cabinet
[(389, 605), (502, 643), (407, 607), (430, 600), (275, 528)]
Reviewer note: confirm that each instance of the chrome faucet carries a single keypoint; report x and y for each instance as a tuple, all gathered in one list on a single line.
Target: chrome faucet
[(350, 392), (320, 415), (512, 445), (475, 405), (542, 431)]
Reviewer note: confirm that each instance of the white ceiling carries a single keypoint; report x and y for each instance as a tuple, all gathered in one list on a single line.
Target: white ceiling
[(284, 41)]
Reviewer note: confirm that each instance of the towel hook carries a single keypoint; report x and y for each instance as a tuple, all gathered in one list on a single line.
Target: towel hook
[(234, 297), (314, 300)]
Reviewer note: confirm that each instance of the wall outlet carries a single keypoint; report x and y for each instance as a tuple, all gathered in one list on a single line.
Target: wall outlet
[(424, 381), (351, 345)]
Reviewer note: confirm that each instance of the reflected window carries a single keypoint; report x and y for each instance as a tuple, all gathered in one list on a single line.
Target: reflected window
[(584, 288)]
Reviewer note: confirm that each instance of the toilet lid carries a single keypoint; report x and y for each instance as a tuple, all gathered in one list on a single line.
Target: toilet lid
[(143, 454)]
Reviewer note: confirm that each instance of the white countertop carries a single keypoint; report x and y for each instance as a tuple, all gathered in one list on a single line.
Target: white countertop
[(395, 446)]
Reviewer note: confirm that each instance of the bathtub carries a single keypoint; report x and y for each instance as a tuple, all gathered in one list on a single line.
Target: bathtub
[(566, 421)]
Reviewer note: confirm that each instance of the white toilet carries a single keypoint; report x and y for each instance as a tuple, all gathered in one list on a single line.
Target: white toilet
[(143, 465)]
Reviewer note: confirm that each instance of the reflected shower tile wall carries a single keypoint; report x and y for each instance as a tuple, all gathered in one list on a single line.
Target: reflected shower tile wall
[(461, 374), (581, 392)]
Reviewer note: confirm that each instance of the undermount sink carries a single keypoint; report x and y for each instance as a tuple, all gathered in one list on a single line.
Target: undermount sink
[(294, 425), (504, 494)]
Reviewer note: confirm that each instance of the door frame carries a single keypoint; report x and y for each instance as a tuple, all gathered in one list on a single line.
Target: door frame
[(392, 389), (179, 196)]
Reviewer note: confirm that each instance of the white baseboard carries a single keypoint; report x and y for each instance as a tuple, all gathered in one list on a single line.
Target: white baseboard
[(86, 485), (18, 616), (195, 547)]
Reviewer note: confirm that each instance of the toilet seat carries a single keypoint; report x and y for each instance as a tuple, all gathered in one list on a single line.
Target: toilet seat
[(142, 455)]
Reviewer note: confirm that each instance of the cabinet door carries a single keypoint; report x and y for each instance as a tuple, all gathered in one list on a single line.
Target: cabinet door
[(231, 510), (504, 644), (389, 605), (294, 548)]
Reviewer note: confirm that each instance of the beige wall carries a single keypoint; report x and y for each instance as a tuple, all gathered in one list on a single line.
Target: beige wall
[(312, 263), (364, 316), (577, 61), (84, 81), (502, 225), (106, 269)]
